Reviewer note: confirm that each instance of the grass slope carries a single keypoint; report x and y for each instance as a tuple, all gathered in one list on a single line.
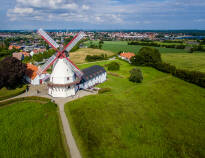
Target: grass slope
[(161, 117), (190, 61), (30, 129), (6, 93)]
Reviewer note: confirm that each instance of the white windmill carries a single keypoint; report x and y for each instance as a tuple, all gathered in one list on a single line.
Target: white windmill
[(65, 74)]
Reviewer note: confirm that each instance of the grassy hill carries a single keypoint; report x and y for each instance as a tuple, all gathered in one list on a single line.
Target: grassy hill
[(161, 117), (190, 61), (30, 129)]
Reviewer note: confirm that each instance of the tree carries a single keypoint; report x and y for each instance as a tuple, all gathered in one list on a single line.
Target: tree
[(136, 75), (137, 60), (12, 72), (151, 55), (113, 66), (101, 42)]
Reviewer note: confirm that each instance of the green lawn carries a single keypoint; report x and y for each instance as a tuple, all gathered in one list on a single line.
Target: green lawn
[(190, 61), (30, 129), (116, 46), (6, 93), (161, 117)]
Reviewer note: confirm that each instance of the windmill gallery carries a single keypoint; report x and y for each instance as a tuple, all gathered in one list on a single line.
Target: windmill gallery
[(66, 78)]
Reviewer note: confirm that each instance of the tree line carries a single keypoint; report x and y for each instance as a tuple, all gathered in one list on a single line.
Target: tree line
[(176, 46), (151, 57)]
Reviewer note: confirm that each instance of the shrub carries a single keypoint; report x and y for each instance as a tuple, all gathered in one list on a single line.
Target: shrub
[(151, 55), (137, 60), (136, 75), (103, 90), (113, 66), (96, 57)]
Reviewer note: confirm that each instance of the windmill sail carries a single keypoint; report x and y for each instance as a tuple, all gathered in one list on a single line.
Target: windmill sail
[(45, 66), (74, 41), (48, 39), (78, 72)]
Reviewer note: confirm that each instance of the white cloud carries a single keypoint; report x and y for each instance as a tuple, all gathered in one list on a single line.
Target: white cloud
[(85, 7), (98, 11)]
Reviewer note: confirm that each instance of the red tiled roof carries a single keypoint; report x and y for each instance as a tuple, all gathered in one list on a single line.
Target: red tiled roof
[(25, 53), (31, 71), (127, 55)]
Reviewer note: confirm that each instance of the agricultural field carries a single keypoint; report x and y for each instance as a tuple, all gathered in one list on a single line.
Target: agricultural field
[(190, 61), (79, 56), (30, 129), (116, 46), (161, 117)]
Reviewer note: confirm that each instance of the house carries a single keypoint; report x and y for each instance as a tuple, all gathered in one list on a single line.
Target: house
[(126, 56), (36, 51), (32, 77), (18, 56), (14, 47)]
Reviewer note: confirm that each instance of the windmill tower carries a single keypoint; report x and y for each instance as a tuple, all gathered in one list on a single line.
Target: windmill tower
[(65, 74)]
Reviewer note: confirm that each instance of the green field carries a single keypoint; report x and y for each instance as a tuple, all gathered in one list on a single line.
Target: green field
[(30, 129), (161, 117), (190, 61), (116, 46)]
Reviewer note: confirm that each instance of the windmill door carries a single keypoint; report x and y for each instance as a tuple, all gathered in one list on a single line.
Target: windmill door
[(40, 81)]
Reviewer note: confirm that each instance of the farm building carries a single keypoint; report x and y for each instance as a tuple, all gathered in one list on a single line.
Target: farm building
[(92, 76), (126, 56), (32, 77)]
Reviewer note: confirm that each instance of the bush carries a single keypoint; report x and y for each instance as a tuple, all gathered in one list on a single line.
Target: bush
[(151, 55), (136, 75), (104, 90), (96, 57), (137, 60), (113, 66)]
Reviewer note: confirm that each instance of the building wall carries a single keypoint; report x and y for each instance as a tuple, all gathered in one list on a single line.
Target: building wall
[(90, 83), (62, 91)]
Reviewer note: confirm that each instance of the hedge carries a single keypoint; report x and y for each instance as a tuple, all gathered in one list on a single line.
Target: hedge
[(22, 99), (195, 77)]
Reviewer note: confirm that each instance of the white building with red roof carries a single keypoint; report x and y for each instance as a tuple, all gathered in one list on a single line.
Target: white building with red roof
[(32, 77)]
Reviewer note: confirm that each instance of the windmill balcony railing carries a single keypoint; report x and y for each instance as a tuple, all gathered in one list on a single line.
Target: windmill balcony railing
[(63, 82)]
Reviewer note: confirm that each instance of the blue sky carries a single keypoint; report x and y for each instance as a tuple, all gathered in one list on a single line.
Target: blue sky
[(102, 14)]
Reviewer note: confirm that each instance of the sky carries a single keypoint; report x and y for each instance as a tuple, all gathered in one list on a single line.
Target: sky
[(102, 14)]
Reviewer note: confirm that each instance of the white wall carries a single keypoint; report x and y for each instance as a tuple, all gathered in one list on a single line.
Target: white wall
[(99, 79)]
